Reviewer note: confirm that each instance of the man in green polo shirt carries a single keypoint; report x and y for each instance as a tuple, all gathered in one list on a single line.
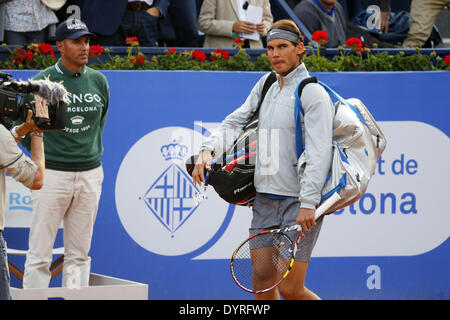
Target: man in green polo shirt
[(74, 174)]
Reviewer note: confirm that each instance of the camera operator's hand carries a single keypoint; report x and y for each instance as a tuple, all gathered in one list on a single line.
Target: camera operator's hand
[(41, 106), (29, 125)]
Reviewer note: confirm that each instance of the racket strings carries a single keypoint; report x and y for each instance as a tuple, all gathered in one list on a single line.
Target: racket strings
[(262, 261)]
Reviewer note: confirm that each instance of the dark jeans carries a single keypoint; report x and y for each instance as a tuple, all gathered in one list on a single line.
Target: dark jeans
[(4, 271), (183, 14), (116, 39), (142, 25), (21, 38)]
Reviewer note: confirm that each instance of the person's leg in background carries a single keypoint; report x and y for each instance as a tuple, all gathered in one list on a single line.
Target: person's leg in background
[(148, 31), (79, 226), (15, 38), (129, 23), (22, 38), (184, 15), (4, 271), (115, 39), (423, 16)]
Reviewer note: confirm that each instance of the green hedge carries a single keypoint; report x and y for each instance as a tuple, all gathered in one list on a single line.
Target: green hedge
[(40, 56)]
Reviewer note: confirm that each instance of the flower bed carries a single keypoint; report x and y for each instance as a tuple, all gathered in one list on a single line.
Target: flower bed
[(354, 56)]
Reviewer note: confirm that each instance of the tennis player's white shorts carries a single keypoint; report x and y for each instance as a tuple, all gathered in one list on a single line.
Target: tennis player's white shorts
[(271, 213)]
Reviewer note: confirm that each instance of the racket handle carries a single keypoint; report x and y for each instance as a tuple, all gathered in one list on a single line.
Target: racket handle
[(327, 204), (321, 209)]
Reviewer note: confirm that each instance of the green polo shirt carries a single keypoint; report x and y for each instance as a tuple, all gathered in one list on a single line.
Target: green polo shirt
[(79, 146)]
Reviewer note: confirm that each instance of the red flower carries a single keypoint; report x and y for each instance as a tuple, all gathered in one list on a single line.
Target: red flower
[(198, 55), (28, 54), (141, 59), (22, 54), (133, 41), (172, 50), (321, 37), (447, 59), (355, 44), (238, 41), (225, 54), (96, 50), (137, 59), (45, 48), (219, 53)]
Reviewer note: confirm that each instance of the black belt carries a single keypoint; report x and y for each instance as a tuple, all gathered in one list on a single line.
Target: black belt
[(137, 6)]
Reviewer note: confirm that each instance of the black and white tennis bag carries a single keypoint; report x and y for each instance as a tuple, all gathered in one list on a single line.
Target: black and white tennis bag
[(232, 173), (358, 143)]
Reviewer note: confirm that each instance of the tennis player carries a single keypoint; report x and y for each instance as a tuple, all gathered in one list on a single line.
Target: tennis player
[(283, 197)]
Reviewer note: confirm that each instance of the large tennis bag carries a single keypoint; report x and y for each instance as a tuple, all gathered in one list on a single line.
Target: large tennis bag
[(358, 143)]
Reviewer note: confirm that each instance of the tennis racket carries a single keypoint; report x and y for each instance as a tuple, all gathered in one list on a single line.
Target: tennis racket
[(264, 260)]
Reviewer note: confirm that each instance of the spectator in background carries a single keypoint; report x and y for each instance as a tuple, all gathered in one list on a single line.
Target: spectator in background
[(124, 18), (142, 19), (68, 10), (107, 26), (353, 7), (2, 19), (219, 19), (183, 17), (423, 16), (329, 16), (385, 9), (326, 15), (26, 21)]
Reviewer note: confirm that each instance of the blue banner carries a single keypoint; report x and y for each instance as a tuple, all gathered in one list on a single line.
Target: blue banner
[(392, 244)]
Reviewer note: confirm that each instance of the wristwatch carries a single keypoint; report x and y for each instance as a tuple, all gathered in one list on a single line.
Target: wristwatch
[(37, 134), (15, 134)]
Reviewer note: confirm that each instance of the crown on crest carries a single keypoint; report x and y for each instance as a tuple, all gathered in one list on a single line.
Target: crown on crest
[(174, 150)]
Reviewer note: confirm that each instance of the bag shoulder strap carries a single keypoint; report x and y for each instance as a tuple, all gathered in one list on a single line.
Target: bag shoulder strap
[(299, 90), (267, 84), (297, 110)]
